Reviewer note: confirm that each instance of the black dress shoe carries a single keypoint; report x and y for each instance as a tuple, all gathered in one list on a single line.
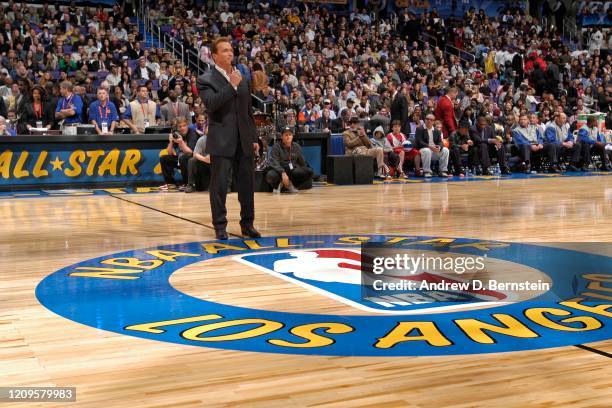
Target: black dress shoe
[(221, 235), (250, 232)]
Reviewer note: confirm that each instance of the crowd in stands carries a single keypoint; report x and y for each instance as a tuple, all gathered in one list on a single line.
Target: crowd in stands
[(79, 65), (494, 86)]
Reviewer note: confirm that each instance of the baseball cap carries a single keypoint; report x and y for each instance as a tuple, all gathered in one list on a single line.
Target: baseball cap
[(287, 129)]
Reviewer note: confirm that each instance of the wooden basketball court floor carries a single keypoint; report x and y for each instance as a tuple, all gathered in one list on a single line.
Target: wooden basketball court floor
[(40, 348)]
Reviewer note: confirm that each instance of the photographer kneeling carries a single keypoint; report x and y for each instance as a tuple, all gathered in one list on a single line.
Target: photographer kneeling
[(288, 167), (184, 139)]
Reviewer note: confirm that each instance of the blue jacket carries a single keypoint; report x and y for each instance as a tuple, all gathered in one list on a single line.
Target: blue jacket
[(550, 135), (585, 137), (520, 140)]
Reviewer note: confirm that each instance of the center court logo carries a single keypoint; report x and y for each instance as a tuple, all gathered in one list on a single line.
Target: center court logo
[(129, 293)]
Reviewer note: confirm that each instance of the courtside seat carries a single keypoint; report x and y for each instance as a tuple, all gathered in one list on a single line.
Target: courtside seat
[(340, 169), (363, 169)]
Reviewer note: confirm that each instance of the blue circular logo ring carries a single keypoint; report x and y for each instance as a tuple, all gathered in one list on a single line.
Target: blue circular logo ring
[(129, 293)]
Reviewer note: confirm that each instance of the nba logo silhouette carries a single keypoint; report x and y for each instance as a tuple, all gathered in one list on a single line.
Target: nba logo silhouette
[(336, 273)]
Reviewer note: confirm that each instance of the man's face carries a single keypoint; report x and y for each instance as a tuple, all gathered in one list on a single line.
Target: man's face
[(524, 121), (183, 128), (560, 120), (102, 95), (201, 121), (482, 123), (429, 121), (143, 92), (224, 54), (287, 138)]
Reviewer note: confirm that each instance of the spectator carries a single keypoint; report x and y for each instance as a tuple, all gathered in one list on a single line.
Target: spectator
[(70, 106), (173, 110), (429, 142), (36, 113), (559, 142), (289, 171), (199, 164), (4, 129), (184, 139), (142, 71), (462, 140), (489, 144), (592, 140), (103, 114), (401, 151), (356, 143), (528, 142), (308, 116), (141, 112)]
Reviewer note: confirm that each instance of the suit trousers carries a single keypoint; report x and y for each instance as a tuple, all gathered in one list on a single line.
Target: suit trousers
[(487, 150), (455, 154), (244, 169)]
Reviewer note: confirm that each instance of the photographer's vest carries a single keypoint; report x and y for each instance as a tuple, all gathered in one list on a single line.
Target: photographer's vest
[(142, 111)]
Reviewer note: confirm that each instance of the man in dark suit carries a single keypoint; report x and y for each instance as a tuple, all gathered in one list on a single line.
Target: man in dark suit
[(429, 142), (490, 144), (399, 107), (232, 137)]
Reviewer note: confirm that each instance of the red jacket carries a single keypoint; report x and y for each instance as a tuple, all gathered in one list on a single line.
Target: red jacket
[(445, 112)]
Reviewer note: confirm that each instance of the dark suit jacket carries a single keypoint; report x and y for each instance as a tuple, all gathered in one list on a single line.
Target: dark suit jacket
[(230, 115), (483, 135), (28, 117), (421, 138), (399, 111)]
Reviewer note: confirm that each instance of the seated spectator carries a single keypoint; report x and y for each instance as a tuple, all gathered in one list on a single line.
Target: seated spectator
[(289, 118), (528, 141), (559, 142), (489, 144), (356, 143), (141, 112), (70, 106), (429, 142), (259, 84), (4, 129), (37, 113), (142, 71), (103, 114), (592, 140), (120, 101), (288, 171), (462, 140), (199, 165), (402, 151), (325, 122), (308, 116), (381, 118), (380, 140), (342, 123), (184, 139), (201, 125), (174, 109)]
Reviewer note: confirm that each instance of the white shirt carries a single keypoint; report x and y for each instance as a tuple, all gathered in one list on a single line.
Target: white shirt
[(222, 71)]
